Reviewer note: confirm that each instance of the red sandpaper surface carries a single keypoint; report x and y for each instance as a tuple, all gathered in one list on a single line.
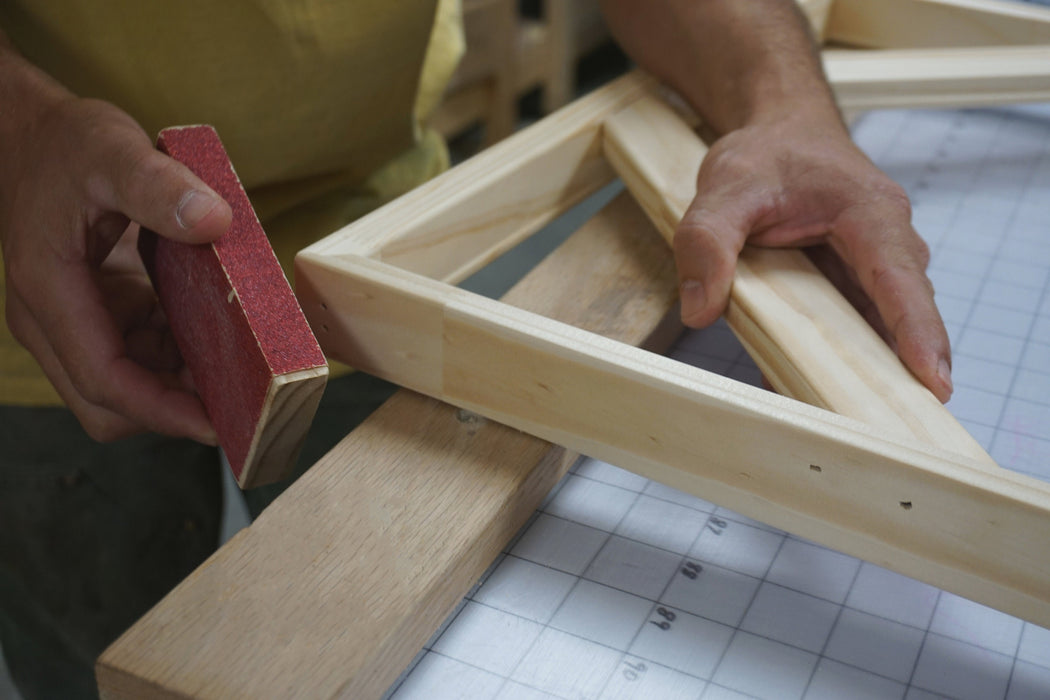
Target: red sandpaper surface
[(230, 308)]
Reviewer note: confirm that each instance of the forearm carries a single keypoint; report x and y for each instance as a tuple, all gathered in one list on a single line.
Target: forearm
[(737, 62)]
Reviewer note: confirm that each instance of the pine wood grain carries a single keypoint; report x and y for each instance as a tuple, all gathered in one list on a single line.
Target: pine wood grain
[(934, 515), (944, 77), (338, 584), (931, 23), (463, 219), (807, 339)]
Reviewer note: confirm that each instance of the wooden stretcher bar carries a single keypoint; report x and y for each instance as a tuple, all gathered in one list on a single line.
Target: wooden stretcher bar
[(901, 24), (333, 590), (946, 77), (939, 517), (804, 336), (931, 515), (454, 225)]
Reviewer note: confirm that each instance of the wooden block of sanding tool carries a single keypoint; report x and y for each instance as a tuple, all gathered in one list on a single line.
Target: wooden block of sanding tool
[(254, 360)]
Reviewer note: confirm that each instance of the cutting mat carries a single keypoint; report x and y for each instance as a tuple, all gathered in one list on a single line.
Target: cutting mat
[(620, 587)]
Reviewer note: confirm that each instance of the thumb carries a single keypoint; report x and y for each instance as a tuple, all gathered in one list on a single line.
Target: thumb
[(707, 244), (161, 194)]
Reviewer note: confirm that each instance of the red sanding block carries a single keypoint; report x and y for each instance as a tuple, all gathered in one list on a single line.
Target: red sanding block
[(254, 360)]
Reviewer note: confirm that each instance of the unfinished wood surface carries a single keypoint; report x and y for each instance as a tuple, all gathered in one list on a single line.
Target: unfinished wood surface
[(816, 12), (929, 514), (508, 54), (551, 46), (573, 28), (806, 338), (287, 412), (487, 70), (340, 582), (461, 220), (345, 576), (964, 77), (936, 23)]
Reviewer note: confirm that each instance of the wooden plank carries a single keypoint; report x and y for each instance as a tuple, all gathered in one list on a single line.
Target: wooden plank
[(461, 220), (806, 338), (967, 77), (929, 514), (343, 578), (936, 23)]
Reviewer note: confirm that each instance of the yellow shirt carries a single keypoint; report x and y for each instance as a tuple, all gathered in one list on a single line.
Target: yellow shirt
[(318, 102)]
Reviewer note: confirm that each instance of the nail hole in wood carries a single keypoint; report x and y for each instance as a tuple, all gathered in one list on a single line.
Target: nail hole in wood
[(465, 416)]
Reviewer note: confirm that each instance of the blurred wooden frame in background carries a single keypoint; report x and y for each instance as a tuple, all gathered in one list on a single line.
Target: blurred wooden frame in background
[(510, 53)]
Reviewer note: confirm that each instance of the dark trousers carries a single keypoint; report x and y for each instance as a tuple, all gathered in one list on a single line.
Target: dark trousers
[(93, 535)]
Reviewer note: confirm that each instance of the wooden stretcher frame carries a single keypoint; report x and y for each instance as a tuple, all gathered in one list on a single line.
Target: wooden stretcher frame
[(871, 491), (206, 639)]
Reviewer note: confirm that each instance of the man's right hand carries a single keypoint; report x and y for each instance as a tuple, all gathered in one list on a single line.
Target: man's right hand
[(77, 177)]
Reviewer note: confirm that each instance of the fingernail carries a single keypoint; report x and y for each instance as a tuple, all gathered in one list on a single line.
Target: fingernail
[(693, 298), (944, 373), (193, 207)]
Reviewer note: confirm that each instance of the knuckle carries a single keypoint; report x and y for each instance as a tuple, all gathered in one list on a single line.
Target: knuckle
[(705, 246), (693, 240), (685, 233), (730, 162), (894, 197), (139, 170), (122, 155), (700, 228), (147, 165), (91, 390), (885, 277), (881, 275)]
